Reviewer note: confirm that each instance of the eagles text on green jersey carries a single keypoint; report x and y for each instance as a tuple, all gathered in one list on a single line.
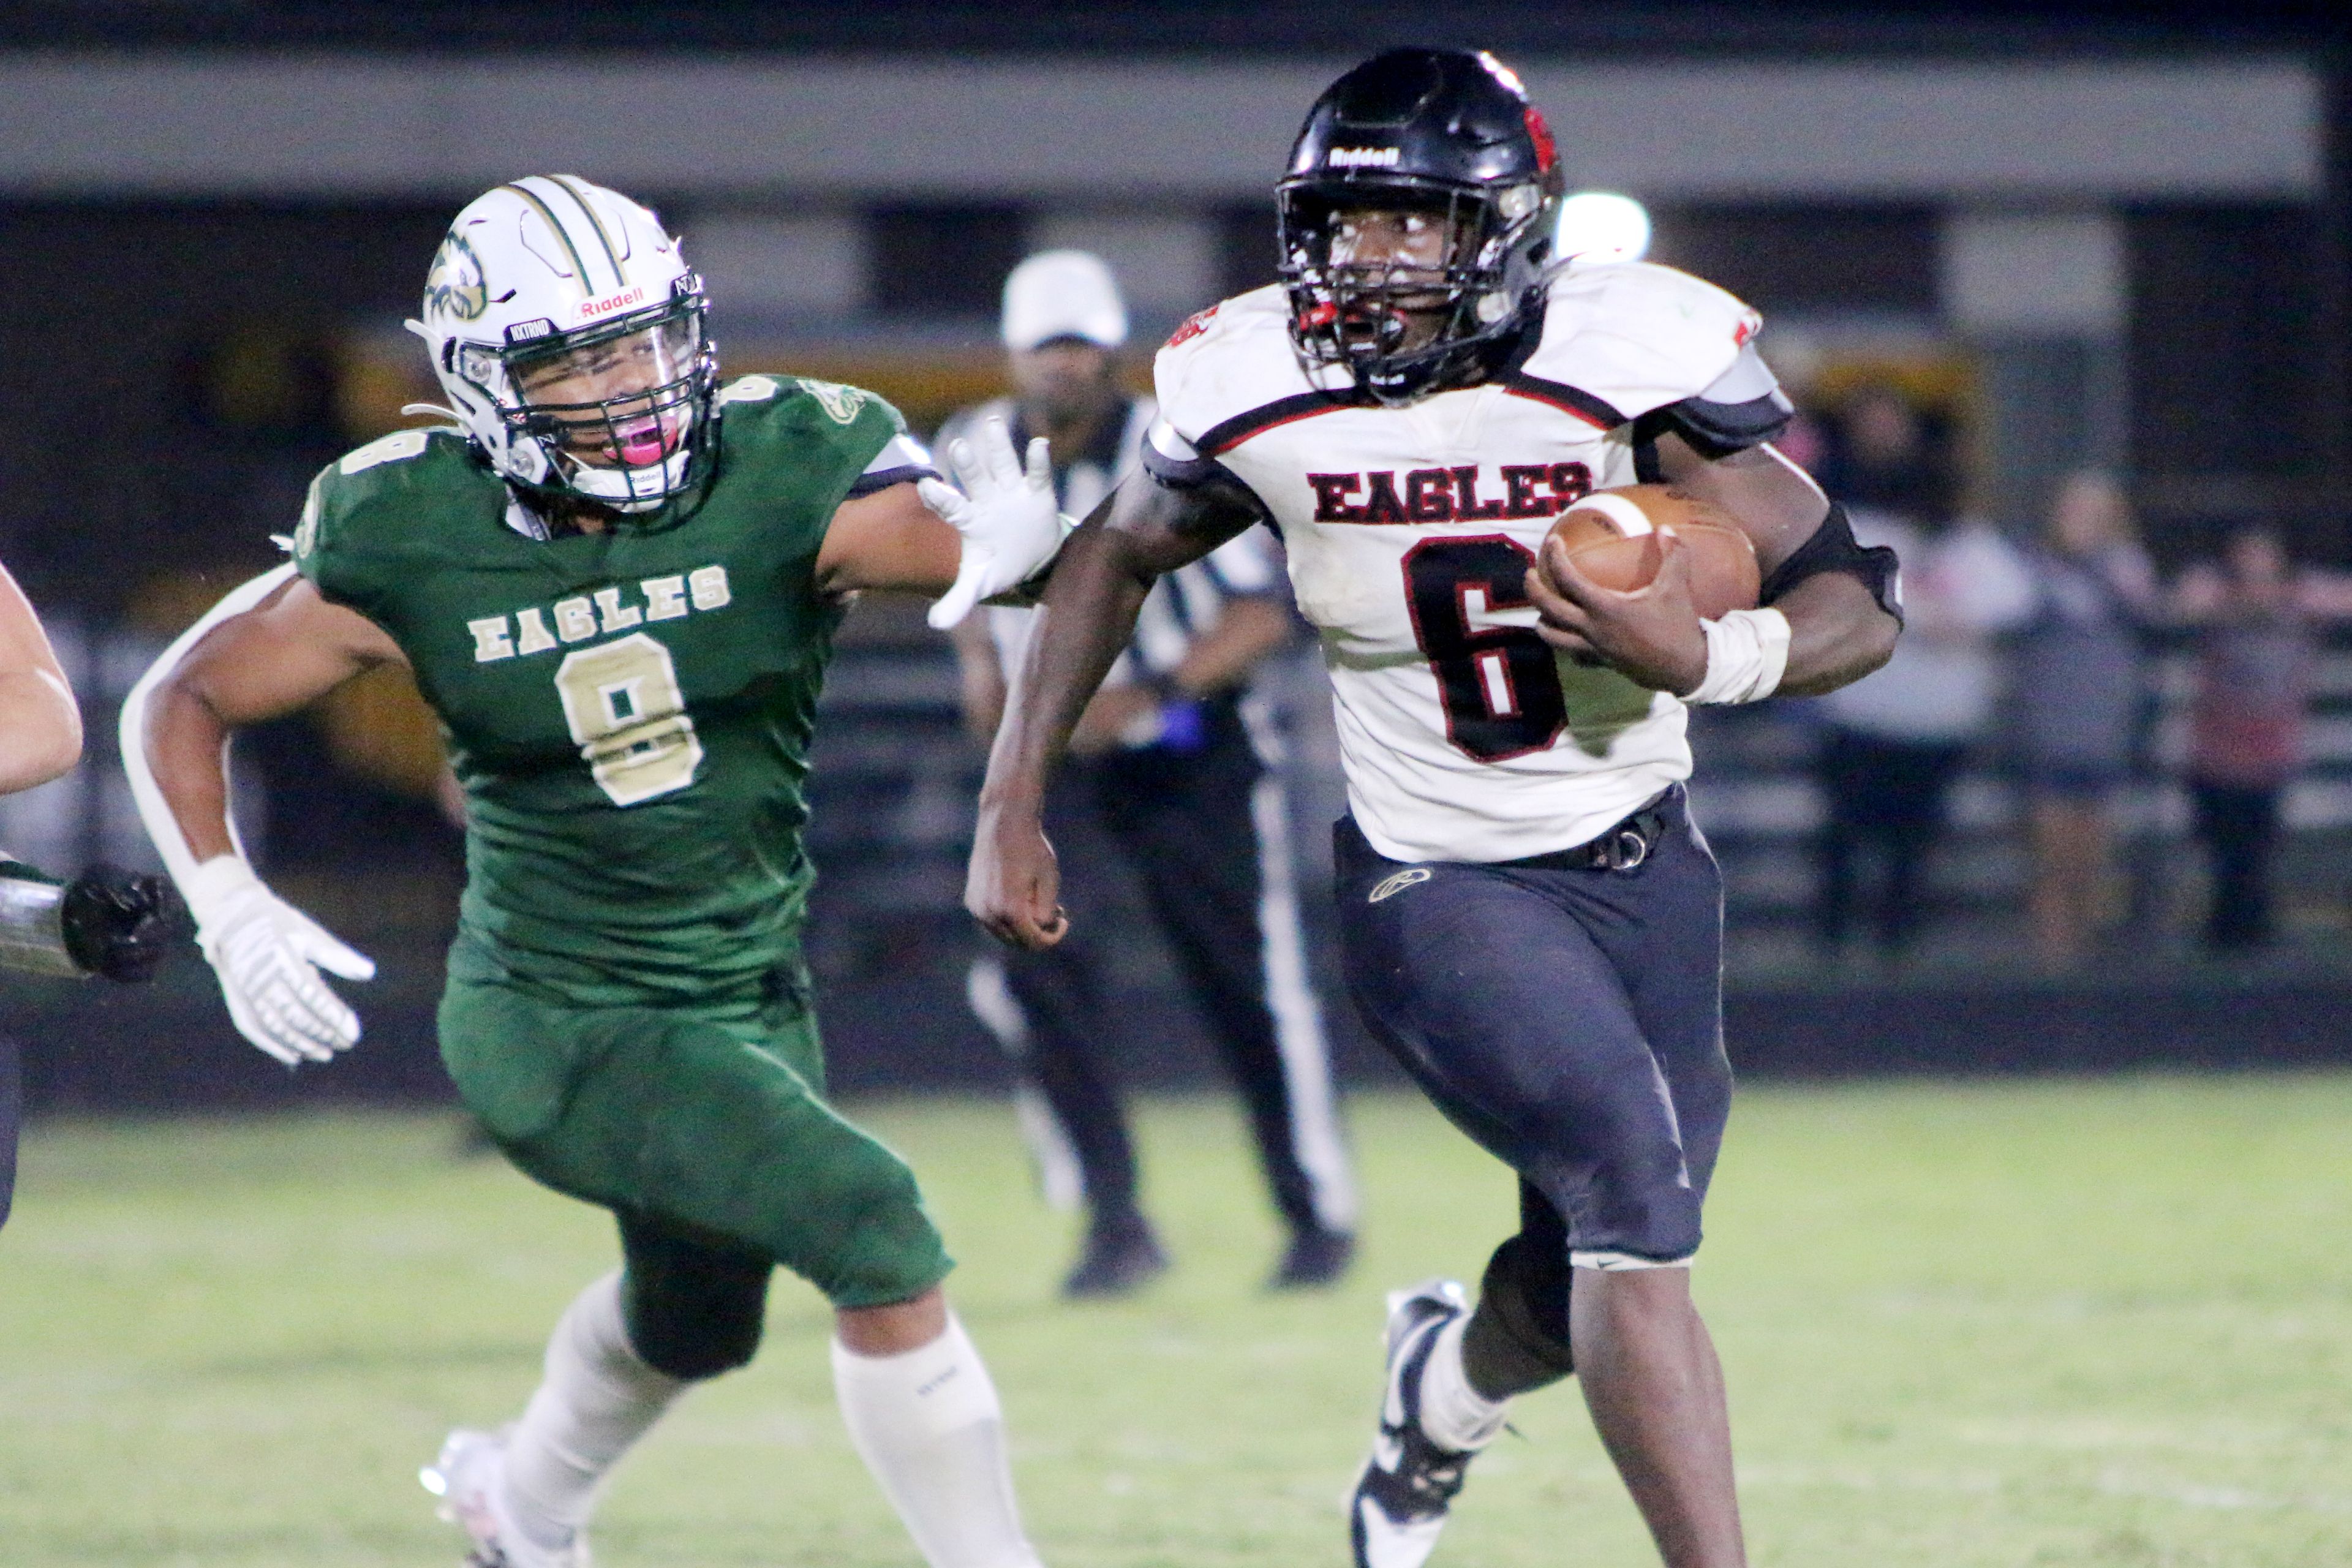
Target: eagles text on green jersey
[(629, 712)]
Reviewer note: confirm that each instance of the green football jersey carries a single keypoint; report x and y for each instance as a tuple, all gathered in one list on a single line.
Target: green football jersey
[(628, 712)]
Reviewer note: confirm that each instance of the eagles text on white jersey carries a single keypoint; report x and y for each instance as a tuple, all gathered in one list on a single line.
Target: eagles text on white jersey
[(1410, 532)]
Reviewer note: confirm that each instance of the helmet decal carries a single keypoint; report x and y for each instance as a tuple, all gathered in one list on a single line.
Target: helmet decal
[(456, 284), (1539, 133)]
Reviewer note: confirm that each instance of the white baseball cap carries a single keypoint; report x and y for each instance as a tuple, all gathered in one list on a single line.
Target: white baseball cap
[(1063, 294)]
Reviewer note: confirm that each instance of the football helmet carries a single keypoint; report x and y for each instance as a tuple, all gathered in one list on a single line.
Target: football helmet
[(568, 334), (1444, 139)]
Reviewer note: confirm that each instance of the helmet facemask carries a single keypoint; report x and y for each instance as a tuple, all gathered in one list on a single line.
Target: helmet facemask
[(1407, 327), (612, 414)]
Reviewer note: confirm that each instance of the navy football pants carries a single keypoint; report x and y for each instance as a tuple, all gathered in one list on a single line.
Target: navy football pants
[(1568, 1018)]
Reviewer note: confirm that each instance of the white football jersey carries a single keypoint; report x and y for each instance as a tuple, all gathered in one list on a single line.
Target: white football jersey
[(1410, 531)]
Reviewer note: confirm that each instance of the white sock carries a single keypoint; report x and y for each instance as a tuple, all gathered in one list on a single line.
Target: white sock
[(1452, 1413), (928, 1424), (596, 1398)]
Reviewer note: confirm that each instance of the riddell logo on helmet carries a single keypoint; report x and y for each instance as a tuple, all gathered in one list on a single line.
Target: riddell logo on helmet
[(1365, 157), (591, 308)]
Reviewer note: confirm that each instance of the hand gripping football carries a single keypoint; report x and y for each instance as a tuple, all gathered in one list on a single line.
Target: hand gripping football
[(1612, 538)]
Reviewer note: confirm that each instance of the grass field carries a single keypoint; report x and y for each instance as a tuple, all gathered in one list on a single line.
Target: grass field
[(2085, 1323)]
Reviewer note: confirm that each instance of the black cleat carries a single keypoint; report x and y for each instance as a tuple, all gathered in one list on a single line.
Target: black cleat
[(1316, 1257), (1400, 1500), (1120, 1258)]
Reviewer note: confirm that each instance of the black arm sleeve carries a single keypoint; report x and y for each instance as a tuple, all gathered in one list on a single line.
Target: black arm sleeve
[(1834, 548), (1209, 475)]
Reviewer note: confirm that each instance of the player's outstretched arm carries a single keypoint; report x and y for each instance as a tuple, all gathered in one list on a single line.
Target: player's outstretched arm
[(1104, 572), (268, 649), (1838, 631), (41, 729), (996, 533)]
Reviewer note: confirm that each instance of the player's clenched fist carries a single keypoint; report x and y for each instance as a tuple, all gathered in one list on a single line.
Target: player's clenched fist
[(1014, 885), (1651, 635)]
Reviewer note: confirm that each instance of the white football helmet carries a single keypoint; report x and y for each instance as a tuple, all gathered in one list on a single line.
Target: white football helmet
[(567, 332)]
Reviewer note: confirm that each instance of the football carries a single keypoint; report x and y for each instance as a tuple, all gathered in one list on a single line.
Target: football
[(1611, 536)]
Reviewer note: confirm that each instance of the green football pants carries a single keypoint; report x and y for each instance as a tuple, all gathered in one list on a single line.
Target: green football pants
[(708, 1135)]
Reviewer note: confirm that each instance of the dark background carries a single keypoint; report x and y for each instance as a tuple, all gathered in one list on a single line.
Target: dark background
[(179, 365)]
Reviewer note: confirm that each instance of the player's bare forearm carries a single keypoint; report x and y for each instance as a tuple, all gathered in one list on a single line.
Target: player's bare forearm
[(1838, 633), (1099, 584), (1087, 615), (40, 728), (185, 740), (888, 541), (285, 653), (1221, 658), (1142, 531)]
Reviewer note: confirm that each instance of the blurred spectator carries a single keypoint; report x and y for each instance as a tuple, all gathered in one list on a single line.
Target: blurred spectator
[(2255, 647), (2078, 699), (1891, 744)]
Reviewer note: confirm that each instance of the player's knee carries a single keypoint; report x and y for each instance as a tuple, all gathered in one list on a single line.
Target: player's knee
[(1655, 1222), (700, 1329), (692, 1353)]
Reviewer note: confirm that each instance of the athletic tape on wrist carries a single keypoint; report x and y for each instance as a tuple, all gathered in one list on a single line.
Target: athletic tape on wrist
[(1746, 653)]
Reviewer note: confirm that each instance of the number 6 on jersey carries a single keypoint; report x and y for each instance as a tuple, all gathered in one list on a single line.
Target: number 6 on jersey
[(628, 714)]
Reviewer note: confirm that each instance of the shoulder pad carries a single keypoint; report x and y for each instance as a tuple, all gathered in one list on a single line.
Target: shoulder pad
[(758, 411), (847, 406), (822, 434), (1634, 336), (366, 503), (1231, 369)]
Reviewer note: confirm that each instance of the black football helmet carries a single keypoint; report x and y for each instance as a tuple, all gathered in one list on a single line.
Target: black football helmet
[(1446, 134)]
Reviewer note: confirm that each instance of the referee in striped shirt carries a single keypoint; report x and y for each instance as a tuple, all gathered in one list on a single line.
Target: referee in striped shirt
[(1179, 772)]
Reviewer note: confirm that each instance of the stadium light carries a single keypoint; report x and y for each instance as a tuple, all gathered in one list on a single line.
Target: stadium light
[(1601, 225)]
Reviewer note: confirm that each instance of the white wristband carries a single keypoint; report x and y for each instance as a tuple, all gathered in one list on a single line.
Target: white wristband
[(1747, 652), (216, 885)]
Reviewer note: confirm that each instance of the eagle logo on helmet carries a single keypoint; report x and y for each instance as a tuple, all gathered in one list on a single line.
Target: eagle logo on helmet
[(454, 284)]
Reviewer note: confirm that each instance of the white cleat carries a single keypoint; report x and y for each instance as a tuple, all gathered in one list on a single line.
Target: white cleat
[(469, 1477), (1400, 1500)]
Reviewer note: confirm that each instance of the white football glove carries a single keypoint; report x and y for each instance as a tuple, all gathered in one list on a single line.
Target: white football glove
[(1009, 521), (267, 954)]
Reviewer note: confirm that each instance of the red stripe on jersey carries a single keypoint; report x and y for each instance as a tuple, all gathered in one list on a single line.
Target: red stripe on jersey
[(1228, 434)]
